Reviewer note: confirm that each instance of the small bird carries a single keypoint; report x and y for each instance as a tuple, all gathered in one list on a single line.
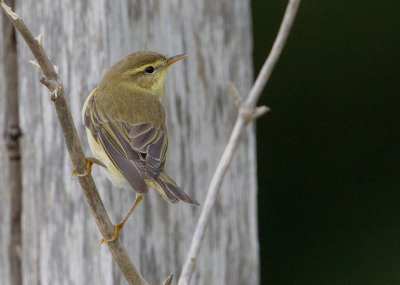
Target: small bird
[(125, 124)]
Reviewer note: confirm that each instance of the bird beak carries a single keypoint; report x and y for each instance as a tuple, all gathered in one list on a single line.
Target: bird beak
[(175, 58)]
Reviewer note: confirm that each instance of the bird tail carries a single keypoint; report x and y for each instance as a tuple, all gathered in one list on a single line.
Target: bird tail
[(172, 192)]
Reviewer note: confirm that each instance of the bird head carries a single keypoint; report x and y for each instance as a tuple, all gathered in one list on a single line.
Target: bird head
[(145, 70)]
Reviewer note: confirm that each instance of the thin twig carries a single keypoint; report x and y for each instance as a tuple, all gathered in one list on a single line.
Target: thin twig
[(247, 113), (55, 86)]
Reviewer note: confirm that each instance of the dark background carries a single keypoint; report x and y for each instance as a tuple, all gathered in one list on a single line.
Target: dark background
[(329, 172)]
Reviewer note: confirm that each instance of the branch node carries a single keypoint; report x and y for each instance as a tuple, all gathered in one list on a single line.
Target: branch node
[(235, 94), (259, 111), (53, 87), (35, 64), (249, 114), (50, 84), (39, 39), (54, 95), (8, 11), (12, 136), (168, 280), (246, 113)]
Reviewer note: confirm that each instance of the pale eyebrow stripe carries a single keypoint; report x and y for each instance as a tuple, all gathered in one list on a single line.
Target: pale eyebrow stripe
[(142, 67)]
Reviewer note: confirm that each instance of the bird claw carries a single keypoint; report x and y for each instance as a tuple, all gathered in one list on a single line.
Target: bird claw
[(117, 229), (88, 169)]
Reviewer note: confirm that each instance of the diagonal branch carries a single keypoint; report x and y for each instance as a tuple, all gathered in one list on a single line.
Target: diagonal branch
[(247, 113), (55, 86)]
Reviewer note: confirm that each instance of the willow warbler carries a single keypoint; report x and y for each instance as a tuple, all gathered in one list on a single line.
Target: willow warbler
[(125, 124)]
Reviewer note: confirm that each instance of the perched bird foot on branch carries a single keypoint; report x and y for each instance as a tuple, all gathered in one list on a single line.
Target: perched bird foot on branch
[(88, 169), (118, 227)]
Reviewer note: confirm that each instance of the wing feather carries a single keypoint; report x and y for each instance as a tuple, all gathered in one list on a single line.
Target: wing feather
[(129, 142), (127, 167), (135, 142)]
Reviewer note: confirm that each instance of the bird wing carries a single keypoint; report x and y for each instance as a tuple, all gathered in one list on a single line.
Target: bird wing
[(136, 148), (152, 144)]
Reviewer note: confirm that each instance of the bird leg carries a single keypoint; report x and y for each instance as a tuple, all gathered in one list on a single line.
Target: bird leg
[(118, 227), (88, 168)]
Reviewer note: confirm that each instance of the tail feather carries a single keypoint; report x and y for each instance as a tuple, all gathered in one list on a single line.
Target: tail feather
[(172, 192)]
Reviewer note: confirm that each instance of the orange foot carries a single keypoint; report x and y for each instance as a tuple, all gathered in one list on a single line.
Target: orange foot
[(117, 229), (88, 168)]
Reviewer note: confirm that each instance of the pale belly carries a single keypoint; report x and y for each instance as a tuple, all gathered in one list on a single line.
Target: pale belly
[(113, 174)]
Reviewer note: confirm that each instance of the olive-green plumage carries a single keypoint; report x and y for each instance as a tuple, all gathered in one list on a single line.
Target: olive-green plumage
[(125, 123)]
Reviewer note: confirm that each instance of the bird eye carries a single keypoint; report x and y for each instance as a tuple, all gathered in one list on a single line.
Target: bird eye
[(149, 69)]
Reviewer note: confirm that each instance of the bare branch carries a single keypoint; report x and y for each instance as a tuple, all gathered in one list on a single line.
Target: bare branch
[(272, 59), (54, 84), (247, 113)]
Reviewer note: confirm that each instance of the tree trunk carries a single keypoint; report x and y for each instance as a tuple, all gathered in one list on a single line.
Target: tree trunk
[(84, 38)]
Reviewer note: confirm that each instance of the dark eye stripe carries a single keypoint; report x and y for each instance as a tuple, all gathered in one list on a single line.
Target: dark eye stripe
[(149, 69)]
